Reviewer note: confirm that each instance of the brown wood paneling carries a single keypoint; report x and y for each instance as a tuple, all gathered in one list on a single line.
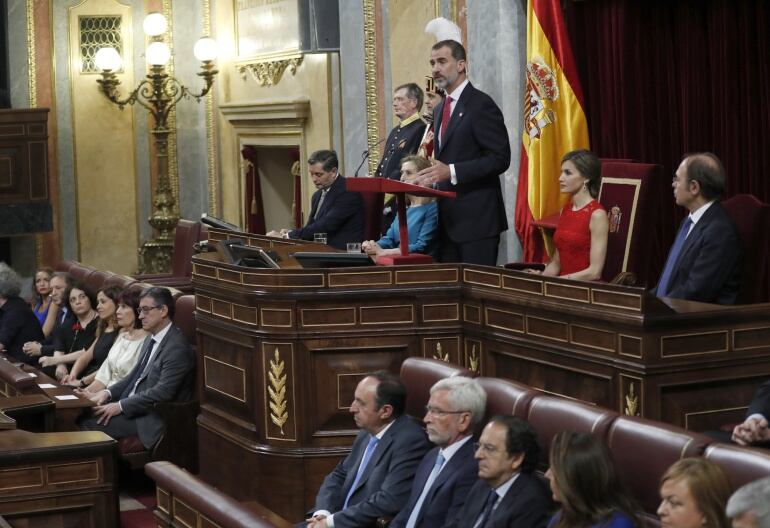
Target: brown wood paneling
[(566, 291), (445, 312), (523, 284), (442, 348), (391, 314), (693, 344), (593, 338), (328, 317), (547, 328), (504, 319), (73, 473), (369, 278), (749, 338)]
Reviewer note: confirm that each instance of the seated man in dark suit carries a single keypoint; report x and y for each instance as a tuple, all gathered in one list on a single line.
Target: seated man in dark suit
[(165, 372), (507, 493), (448, 471), (334, 210), (754, 429), (704, 263), (374, 479)]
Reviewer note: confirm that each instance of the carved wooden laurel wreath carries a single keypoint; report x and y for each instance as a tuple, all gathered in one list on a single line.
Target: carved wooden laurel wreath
[(277, 391)]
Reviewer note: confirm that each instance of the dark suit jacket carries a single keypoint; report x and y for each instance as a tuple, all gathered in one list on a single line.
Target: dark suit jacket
[(709, 265), (18, 325), (341, 217), (448, 492), (402, 141), (169, 376), (761, 402), (387, 479), (524, 506), (476, 142)]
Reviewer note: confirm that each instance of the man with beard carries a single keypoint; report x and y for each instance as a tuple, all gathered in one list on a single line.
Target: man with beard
[(471, 152)]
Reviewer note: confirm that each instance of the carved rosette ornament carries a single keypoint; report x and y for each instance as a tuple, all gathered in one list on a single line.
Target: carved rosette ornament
[(277, 391), (269, 72)]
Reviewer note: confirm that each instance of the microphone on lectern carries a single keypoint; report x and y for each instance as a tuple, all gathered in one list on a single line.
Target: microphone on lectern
[(365, 155)]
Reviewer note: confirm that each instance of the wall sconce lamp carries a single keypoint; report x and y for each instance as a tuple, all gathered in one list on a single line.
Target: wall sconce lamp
[(158, 93)]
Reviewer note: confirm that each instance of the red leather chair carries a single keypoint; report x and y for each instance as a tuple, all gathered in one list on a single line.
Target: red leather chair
[(507, 397), (95, 280), (752, 218), (643, 450), (187, 233), (550, 415), (419, 375), (742, 464)]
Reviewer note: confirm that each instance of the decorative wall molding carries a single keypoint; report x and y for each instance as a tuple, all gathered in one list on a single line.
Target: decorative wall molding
[(268, 72)]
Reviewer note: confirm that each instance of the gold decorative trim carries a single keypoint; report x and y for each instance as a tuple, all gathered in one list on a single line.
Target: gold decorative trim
[(473, 360), (495, 276), (637, 297), (410, 320), (488, 309), (437, 352), (175, 501), (539, 283), (371, 82), (313, 310), (199, 300), (592, 329), (631, 404), (400, 276), (741, 330), (234, 367), (467, 319), (173, 161), (529, 331), (710, 411), (452, 305), (722, 333), (211, 140), (23, 470), (621, 337), (277, 391), (269, 71), (552, 285), (262, 317), (222, 275), (162, 499), (637, 184), (31, 59), (335, 279), (247, 309)]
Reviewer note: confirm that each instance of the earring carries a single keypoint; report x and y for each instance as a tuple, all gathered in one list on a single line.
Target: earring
[(585, 186)]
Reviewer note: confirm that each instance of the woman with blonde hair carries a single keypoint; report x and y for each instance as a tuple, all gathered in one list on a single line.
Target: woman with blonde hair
[(694, 493)]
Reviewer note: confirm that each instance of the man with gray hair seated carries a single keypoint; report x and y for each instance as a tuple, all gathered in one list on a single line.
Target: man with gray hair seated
[(448, 471), (749, 506)]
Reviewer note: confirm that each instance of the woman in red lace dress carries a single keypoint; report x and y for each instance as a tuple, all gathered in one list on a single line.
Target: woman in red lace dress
[(581, 234)]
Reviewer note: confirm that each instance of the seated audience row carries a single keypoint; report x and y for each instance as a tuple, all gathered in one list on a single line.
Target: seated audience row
[(392, 472)]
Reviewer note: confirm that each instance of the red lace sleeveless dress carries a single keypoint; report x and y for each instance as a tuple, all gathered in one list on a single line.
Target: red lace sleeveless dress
[(573, 237)]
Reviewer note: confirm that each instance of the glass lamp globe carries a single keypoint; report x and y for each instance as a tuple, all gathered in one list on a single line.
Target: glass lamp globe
[(108, 59), (155, 24), (206, 49), (158, 54)]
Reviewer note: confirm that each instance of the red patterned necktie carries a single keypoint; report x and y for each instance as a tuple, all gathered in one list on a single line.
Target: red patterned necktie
[(446, 114)]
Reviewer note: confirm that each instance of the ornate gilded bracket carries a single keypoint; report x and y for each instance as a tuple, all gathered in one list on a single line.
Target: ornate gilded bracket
[(277, 391), (268, 72)]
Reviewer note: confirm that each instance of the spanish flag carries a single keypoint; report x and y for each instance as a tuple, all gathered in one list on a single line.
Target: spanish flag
[(554, 121)]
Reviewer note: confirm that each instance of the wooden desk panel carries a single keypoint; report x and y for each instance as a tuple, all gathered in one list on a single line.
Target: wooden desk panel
[(283, 349), (58, 479)]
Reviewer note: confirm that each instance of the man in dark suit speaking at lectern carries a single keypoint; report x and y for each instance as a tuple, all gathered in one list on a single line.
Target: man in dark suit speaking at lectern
[(375, 478), (334, 211), (471, 153)]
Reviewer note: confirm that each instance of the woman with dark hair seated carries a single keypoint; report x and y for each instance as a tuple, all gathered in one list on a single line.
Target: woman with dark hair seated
[(694, 494), (581, 234), (45, 310), (584, 481), (88, 363), (72, 340), (18, 323), (125, 351)]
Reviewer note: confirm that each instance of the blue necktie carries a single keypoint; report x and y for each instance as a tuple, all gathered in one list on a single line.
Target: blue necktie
[(425, 489), (487, 511), (361, 467), (673, 256)]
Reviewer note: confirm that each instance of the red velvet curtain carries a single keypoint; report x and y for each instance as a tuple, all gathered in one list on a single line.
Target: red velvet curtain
[(662, 78)]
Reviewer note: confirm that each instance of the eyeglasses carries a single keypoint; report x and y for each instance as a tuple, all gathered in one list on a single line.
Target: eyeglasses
[(146, 309), (440, 413), (488, 448)]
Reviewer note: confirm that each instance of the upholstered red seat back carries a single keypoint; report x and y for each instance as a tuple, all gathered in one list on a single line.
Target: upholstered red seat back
[(752, 218)]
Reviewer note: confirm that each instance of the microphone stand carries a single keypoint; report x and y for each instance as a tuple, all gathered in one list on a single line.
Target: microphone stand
[(365, 156)]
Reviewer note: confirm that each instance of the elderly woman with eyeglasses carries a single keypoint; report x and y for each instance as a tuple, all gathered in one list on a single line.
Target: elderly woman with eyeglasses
[(18, 323)]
